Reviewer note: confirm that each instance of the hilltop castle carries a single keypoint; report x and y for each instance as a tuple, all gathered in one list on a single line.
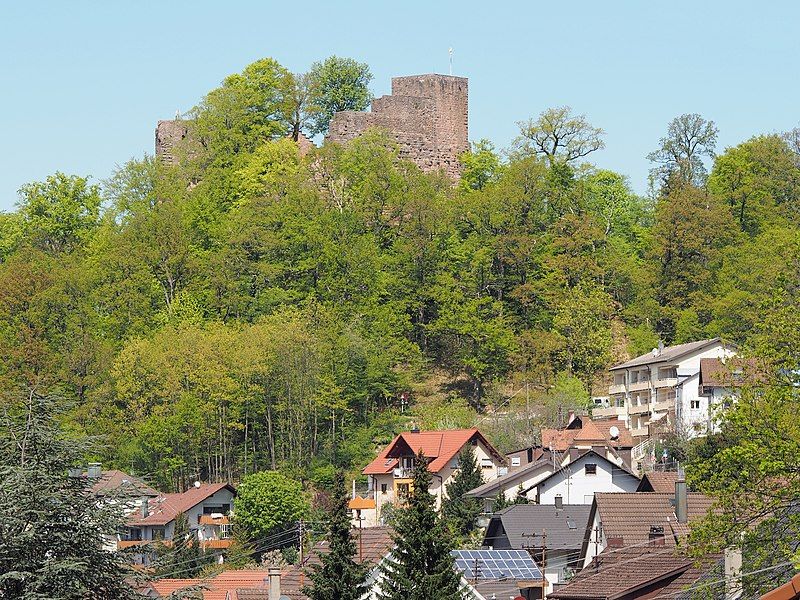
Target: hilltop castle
[(426, 114)]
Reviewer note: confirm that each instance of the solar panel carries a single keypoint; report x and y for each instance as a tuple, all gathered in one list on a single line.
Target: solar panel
[(496, 564)]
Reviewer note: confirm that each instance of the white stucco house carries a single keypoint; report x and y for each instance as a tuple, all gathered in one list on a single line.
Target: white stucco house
[(579, 480), (207, 508), (660, 390), (389, 475)]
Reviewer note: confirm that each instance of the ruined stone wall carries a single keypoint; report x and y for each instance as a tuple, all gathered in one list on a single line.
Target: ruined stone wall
[(169, 136), (426, 114)]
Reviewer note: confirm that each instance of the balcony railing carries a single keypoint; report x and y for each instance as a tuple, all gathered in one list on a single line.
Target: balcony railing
[(609, 411), (641, 432), (639, 386), (662, 383), (616, 388), (664, 406), (637, 409), (403, 472)]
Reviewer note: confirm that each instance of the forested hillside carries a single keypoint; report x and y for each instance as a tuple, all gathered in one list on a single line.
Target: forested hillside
[(252, 308)]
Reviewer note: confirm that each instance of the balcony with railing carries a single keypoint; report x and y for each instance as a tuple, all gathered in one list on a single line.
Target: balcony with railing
[(608, 411), (616, 388)]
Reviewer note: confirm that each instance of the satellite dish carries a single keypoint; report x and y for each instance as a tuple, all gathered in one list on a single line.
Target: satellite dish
[(613, 431), (197, 484)]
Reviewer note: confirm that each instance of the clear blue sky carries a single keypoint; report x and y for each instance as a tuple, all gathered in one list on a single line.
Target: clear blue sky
[(83, 83)]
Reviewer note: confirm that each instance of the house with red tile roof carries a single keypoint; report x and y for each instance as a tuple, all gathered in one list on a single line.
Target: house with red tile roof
[(206, 506), (389, 475)]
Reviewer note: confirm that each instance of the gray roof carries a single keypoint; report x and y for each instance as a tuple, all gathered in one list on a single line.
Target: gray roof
[(522, 520), (667, 354), (493, 487)]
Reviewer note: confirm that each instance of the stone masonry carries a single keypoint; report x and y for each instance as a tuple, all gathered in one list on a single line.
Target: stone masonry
[(426, 114), (168, 135)]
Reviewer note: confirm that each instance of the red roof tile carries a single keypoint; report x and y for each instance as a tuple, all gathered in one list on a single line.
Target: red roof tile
[(440, 447), (591, 430), (166, 507)]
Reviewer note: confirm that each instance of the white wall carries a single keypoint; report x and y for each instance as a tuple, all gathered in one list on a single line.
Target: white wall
[(575, 486)]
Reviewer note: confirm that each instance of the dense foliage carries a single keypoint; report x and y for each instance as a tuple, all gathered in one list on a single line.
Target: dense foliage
[(268, 503), (250, 308)]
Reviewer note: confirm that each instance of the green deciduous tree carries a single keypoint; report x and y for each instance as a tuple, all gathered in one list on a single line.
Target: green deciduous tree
[(53, 533), (752, 468), (337, 84), (60, 213), (679, 157), (420, 567), (458, 508), (338, 576), (267, 503), (558, 135), (482, 166)]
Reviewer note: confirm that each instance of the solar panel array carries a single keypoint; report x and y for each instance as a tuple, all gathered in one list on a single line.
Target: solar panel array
[(496, 564)]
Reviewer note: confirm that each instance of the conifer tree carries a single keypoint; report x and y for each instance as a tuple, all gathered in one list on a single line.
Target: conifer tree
[(420, 566), (53, 530), (183, 558), (459, 509), (338, 576)]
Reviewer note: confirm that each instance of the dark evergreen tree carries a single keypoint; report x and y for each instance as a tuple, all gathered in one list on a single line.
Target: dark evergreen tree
[(183, 557), (338, 576), (459, 509), (53, 529), (420, 566)]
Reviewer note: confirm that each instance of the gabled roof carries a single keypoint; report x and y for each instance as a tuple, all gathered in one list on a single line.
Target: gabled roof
[(214, 588), (121, 485), (440, 447), (659, 481), (596, 431), (668, 354), (565, 527), (164, 508), (629, 515), (591, 453), (621, 572), (491, 488)]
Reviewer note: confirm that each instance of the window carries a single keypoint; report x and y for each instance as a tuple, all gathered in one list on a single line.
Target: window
[(515, 461), (158, 533), (487, 463), (667, 373), (383, 488), (694, 403), (591, 468)]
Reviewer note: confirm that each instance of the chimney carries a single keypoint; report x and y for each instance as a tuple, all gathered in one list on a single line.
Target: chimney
[(559, 502), (570, 417), (656, 535), (681, 498), (615, 542), (274, 583), (414, 428), (145, 506), (94, 471), (660, 347), (530, 455)]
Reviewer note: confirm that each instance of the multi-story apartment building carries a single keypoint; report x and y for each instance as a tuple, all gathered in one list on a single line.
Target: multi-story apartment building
[(659, 390)]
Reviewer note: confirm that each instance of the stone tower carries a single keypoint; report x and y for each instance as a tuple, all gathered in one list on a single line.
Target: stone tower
[(426, 114)]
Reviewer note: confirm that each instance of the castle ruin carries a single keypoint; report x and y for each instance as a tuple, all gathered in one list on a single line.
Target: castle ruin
[(426, 114)]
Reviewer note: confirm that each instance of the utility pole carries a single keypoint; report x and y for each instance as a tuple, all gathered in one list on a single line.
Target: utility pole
[(544, 563), (596, 543)]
